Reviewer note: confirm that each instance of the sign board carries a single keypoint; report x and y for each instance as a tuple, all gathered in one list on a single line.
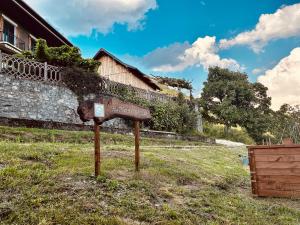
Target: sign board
[(111, 108), (99, 110), (105, 108)]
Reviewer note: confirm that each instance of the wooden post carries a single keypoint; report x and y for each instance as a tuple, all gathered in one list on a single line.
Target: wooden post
[(97, 149), (137, 144)]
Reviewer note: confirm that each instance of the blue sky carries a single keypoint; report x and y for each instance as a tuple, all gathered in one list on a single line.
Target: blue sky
[(167, 38)]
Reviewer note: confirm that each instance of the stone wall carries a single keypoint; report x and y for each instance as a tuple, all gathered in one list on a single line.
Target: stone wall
[(37, 101)]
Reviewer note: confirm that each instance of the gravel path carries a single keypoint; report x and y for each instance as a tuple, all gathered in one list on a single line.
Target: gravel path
[(229, 143)]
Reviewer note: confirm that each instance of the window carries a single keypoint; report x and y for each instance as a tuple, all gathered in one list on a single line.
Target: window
[(8, 32)]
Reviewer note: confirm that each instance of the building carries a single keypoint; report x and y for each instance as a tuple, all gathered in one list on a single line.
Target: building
[(114, 69), (20, 26)]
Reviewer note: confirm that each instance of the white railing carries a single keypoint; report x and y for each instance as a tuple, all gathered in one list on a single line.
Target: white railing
[(28, 69), (20, 68)]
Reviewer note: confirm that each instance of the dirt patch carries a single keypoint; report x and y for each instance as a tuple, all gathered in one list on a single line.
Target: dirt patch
[(2, 166)]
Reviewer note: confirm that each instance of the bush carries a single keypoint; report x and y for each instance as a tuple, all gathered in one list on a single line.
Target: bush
[(173, 116), (64, 56), (165, 116), (234, 134)]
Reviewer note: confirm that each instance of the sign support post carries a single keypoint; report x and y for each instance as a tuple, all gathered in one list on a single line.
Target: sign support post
[(103, 109), (97, 149), (137, 144)]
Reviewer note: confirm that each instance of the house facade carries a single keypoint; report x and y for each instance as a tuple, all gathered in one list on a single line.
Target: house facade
[(21, 26), (114, 69)]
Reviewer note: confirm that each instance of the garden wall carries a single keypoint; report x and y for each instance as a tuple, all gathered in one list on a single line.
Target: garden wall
[(37, 101), (275, 170)]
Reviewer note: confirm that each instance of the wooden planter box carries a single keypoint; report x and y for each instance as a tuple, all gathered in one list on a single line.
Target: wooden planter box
[(275, 170)]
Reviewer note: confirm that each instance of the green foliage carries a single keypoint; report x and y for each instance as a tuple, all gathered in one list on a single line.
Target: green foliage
[(285, 123), (41, 52), (177, 116), (230, 99), (26, 55), (64, 56), (165, 116), (174, 82), (81, 82), (79, 76), (234, 134)]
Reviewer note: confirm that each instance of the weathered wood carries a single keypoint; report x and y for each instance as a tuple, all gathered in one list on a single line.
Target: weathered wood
[(277, 158), (113, 108), (258, 147), (281, 178), (281, 151), (277, 165), (97, 149), (279, 186), (114, 71), (252, 172), (277, 193), (137, 144), (275, 170)]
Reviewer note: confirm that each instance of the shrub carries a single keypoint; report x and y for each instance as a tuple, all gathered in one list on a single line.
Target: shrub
[(234, 134), (64, 56)]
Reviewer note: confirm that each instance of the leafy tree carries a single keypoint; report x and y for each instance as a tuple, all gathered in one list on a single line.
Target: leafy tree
[(230, 99), (285, 122)]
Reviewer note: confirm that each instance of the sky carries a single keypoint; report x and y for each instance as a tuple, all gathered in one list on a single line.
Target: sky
[(183, 38)]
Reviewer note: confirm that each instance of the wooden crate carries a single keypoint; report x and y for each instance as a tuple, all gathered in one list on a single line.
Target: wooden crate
[(275, 170)]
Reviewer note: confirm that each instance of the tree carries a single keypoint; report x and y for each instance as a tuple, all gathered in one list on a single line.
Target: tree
[(285, 123), (230, 99)]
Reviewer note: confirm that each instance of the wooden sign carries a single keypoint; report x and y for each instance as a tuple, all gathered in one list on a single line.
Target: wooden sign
[(113, 108), (103, 109), (98, 110)]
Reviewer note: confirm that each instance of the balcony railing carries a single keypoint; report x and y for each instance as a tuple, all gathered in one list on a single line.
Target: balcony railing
[(13, 40)]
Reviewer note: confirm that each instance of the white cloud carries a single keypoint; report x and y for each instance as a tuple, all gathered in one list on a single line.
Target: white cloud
[(283, 80), (203, 52), (258, 71), (284, 23), (75, 17)]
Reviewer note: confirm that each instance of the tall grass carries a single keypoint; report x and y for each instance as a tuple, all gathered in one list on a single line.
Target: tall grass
[(235, 134)]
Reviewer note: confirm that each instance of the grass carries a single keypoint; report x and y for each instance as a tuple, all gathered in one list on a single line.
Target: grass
[(237, 134), (51, 182)]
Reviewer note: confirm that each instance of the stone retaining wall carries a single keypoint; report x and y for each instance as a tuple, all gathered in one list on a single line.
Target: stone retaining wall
[(33, 100)]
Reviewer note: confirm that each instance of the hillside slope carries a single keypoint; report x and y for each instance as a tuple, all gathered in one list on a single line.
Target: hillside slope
[(52, 183)]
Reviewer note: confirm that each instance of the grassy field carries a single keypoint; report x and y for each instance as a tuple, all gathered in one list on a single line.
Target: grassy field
[(46, 178)]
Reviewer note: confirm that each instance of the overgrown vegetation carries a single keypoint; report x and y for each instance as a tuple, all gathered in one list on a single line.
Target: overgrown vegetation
[(230, 99), (236, 134), (174, 82), (64, 56), (52, 183), (285, 123)]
